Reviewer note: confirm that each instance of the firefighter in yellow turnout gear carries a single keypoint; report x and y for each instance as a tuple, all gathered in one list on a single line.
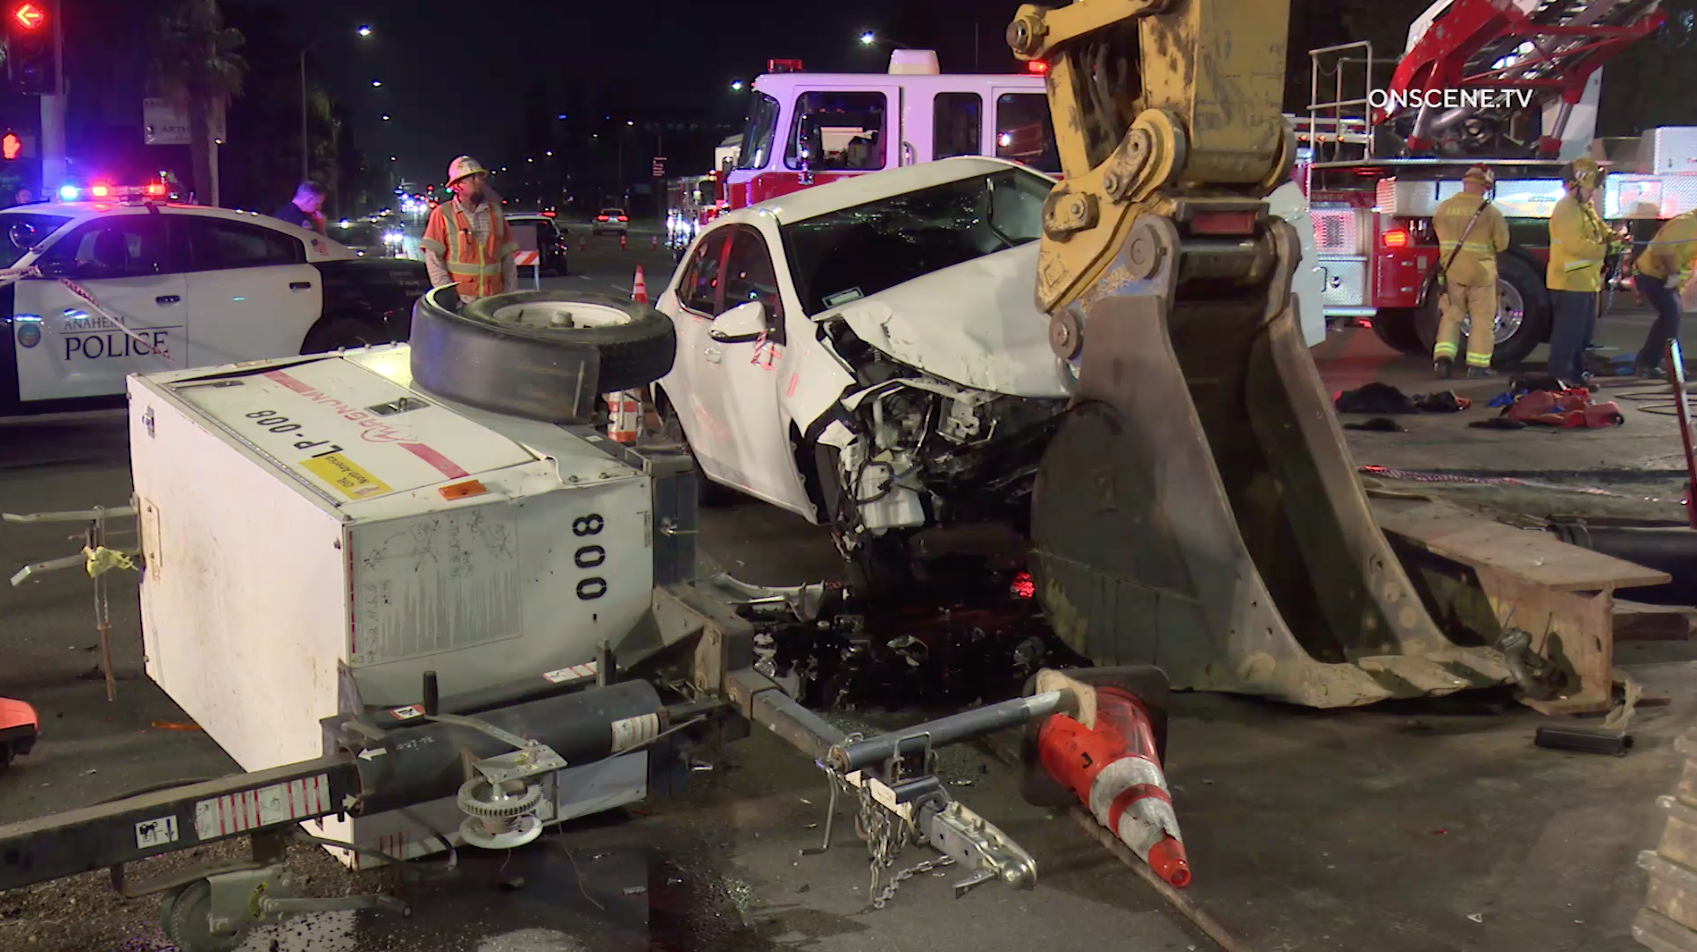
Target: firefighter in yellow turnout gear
[(1471, 233)]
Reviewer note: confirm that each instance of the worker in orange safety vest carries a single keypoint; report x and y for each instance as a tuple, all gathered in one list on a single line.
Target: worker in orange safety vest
[(467, 242)]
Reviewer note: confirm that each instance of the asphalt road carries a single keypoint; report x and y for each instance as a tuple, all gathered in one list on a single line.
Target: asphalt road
[(719, 870)]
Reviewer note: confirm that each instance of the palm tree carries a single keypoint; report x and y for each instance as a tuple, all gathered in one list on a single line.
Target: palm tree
[(195, 64)]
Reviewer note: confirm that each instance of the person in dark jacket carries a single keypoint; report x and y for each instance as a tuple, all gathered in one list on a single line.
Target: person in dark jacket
[(305, 209)]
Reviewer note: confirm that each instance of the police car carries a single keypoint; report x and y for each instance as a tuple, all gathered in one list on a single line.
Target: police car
[(124, 282)]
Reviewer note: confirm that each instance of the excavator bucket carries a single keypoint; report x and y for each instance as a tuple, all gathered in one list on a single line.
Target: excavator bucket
[(1198, 509)]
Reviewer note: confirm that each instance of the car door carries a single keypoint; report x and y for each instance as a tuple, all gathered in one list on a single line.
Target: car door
[(134, 325), (251, 293), (755, 442), (689, 387)]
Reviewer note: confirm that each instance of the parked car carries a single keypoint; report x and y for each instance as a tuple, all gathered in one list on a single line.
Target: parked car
[(550, 242), (610, 221), (176, 286)]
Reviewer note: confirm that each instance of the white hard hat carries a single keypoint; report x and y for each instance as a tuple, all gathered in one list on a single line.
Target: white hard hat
[(463, 166)]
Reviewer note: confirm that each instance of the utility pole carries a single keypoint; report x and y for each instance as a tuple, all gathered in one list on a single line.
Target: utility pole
[(53, 114)]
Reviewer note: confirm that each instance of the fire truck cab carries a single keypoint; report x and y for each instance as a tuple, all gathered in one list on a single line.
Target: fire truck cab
[(811, 128)]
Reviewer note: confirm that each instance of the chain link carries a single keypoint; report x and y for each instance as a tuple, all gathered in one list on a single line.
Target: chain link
[(889, 892)]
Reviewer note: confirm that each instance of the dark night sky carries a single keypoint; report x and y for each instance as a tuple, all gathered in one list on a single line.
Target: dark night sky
[(454, 74)]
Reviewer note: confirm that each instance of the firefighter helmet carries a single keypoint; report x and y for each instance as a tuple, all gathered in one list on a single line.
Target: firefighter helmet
[(1480, 175), (1584, 172)]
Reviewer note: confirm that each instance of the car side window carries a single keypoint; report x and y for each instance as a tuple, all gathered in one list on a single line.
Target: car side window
[(701, 285), (749, 276), (218, 245), (956, 124), (125, 246)]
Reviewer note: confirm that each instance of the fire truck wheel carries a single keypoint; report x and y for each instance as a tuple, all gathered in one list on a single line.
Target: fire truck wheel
[(1523, 313), (542, 355), (1394, 326)]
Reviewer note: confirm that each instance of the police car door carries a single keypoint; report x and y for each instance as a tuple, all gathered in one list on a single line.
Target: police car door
[(251, 293), (133, 325)]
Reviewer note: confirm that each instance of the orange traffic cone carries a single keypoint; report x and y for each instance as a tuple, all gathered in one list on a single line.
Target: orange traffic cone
[(621, 242), (654, 243), (1115, 770), (639, 287), (582, 244)]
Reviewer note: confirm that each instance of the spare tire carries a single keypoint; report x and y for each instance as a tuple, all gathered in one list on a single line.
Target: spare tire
[(542, 355)]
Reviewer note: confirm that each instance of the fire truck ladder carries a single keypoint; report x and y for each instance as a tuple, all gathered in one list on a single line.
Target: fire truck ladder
[(1552, 50)]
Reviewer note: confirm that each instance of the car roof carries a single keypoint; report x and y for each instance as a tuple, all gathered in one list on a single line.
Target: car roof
[(871, 187), (320, 246)]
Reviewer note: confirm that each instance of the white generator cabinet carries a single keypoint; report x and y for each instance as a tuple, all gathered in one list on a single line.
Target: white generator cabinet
[(305, 518)]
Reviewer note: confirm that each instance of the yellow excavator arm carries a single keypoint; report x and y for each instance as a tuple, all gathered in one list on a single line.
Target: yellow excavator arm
[(1198, 509)]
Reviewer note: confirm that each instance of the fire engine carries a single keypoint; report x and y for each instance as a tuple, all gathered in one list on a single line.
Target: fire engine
[(1511, 85), (691, 202), (812, 128)]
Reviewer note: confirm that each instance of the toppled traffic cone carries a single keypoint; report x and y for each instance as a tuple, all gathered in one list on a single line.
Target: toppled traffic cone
[(639, 287), (1115, 770)]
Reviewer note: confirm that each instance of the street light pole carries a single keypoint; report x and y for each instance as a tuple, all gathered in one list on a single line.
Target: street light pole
[(306, 148)]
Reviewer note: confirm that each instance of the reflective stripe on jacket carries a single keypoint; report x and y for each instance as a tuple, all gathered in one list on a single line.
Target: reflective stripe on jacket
[(1475, 263), (475, 266), (1578, 243)]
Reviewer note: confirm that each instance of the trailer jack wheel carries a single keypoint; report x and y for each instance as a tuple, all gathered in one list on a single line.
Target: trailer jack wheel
[(186, 917)]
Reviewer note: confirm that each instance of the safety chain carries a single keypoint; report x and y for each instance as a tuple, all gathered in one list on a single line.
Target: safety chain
[(889, 891)]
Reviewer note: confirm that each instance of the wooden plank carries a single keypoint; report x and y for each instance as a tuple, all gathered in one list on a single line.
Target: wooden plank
[(1535, 557), (1638, 622)]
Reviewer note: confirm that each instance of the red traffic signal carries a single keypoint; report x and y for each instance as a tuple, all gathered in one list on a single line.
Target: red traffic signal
[(11, 146), (29, 16)]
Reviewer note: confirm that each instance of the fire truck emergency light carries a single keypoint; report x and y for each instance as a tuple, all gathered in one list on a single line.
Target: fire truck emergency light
[(1036, 66)]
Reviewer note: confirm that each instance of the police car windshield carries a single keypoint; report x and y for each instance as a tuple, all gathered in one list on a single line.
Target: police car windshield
[(21, 231), (849, 254)]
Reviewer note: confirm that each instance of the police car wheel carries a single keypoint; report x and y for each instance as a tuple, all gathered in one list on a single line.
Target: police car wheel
[(542, 355)]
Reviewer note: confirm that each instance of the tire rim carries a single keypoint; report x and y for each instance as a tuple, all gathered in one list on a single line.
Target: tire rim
[(560, 315), (1511, 314)]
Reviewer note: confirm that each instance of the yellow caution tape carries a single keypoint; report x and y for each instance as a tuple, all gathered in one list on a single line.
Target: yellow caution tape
[(103, 560)]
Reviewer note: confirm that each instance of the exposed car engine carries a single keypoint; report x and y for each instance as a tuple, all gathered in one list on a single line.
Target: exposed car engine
[(916, 451)]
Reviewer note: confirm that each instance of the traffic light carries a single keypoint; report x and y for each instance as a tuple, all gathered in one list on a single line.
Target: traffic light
[(30, 61)]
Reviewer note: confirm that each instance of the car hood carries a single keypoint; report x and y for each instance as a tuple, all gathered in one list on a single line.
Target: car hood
[(975, 324)]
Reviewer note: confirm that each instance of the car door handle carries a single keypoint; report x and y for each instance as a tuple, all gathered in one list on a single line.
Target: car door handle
[(713, 355), (168, 299), (300, 285)]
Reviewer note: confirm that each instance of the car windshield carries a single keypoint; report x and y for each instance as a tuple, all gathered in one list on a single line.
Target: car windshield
[(21, 231), (758, 135), (848, 254)]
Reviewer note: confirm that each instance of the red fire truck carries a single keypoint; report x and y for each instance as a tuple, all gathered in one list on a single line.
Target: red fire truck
[(1511, 84), (812, 128)]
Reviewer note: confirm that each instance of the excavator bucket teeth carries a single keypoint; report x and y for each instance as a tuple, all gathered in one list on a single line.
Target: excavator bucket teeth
[(1199, 510)]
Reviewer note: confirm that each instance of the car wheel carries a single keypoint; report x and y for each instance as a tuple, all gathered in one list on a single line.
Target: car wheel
[(542, 355), (880, 567), (1523, 313), (342, 333), (708, 494)]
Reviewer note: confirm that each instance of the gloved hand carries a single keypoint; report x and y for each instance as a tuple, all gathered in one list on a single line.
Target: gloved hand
[(1675, 282)]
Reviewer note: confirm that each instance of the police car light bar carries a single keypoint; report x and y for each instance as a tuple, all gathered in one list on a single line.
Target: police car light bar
[(152, 190)]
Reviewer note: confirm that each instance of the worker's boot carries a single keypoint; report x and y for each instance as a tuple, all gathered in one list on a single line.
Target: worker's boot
[(1479, 373), (1444, 368)]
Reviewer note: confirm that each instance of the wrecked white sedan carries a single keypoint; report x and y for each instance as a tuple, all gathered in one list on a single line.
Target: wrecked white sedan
[(868, 353)]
